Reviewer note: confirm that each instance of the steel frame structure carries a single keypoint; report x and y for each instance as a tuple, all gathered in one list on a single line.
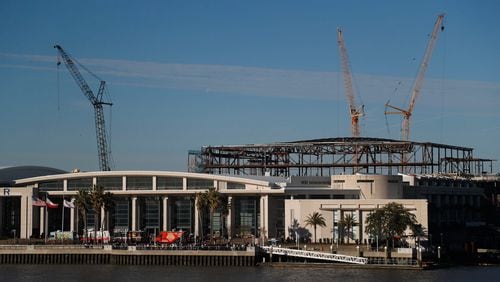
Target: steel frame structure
[(331, 156)]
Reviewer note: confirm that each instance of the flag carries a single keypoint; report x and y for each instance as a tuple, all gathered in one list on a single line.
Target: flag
[(37, 202), (68, 204), (50, 204)]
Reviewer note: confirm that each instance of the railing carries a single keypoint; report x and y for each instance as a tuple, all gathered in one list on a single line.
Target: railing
[(314, 255), (190, 248)]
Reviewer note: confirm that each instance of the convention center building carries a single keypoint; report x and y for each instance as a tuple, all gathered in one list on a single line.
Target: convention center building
[(259, 207)]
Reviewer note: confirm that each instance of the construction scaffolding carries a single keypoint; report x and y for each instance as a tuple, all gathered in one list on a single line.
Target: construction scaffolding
[(332, 156)]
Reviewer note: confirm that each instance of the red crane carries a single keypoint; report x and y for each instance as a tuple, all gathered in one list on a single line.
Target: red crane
[(417, 86), (354, 110)]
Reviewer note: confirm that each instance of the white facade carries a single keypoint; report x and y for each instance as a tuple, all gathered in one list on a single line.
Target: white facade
[(268, 207)]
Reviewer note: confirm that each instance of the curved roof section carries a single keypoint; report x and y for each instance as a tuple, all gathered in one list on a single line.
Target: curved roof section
[(8, 175), (143, 173)]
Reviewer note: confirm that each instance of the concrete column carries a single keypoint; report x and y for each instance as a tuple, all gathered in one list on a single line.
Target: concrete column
[(264, 214), (266, 217), (72, 217), (165, 213), (196, 218), (154, 183), (360, 227), (1, 209), (134, 209), (103, 218), (229, 219), (42, 220), (25, 220), (124, 183)]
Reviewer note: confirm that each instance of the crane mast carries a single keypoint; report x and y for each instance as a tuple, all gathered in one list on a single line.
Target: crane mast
[(417, 86), (355, 112), (97, 103)]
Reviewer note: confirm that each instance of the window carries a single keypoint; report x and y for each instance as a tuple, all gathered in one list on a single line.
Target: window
[(169, 183), (79, 183), (182, 213), (121, 213), (139, 183), (246, 215), (51, 185), (150, 213), (196, 183), (318, 197), (110, 183), (234, 185)]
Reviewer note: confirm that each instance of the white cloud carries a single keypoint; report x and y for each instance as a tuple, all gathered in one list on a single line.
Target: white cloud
[(242, 80)]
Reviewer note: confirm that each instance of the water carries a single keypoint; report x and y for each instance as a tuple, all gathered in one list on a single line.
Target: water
[(110, 273)]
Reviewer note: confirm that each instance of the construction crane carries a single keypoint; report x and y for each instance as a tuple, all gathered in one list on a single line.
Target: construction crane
[(417, 86), (97, 103), (355, 111)]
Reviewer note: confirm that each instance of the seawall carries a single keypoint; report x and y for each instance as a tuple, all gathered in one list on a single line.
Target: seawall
[(105, 255)]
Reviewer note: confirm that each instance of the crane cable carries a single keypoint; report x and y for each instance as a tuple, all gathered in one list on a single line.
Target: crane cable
[(443, 81), (58, 63)]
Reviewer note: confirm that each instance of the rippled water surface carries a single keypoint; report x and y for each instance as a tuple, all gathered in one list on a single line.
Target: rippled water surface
[(169, 273)]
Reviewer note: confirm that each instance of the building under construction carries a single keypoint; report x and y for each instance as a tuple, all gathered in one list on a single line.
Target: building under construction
[(333, 156)]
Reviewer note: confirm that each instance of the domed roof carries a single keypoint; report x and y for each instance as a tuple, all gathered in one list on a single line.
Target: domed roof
[(9, 174)]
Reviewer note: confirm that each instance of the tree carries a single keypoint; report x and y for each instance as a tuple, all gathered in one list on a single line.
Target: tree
[(108, 204), (391, 221), (214, 200), (96, 197), (417, 231), (348, 223), (375, 224), (201, 205), (82, 203), (315, 219)]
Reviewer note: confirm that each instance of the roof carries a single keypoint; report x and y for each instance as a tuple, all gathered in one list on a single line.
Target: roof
[(9, 174), (64, 175)]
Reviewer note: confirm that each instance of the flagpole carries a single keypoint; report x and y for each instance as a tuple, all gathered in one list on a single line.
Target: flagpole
[(62, 221), (46, 227)]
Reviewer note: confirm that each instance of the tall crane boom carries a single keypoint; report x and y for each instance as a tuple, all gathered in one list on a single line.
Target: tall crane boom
[(354, 110), (97, 103), (417, 86)]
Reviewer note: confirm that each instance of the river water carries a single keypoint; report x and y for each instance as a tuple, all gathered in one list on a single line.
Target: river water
[(108, 273)]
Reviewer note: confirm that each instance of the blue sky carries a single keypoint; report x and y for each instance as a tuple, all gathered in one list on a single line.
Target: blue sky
[(183, 74)]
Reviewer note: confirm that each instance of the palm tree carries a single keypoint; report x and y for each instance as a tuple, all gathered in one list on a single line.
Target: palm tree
[(315, 219), (108, 204), (214, 199), (82, 203), (348, 223), (201, 205), (96, 197), (417, 231)]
